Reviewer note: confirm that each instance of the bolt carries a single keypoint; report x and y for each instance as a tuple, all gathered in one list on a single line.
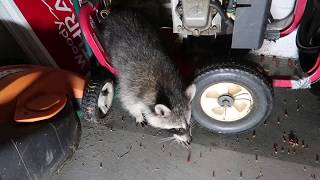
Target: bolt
[(214, 27), (214, 11), (196, 32)]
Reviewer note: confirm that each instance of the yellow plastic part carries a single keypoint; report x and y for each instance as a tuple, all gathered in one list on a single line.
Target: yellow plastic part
[(41, 109), (31, 93)]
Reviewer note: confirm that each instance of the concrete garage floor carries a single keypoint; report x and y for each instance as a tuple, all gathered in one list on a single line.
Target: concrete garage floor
[(286, 146)]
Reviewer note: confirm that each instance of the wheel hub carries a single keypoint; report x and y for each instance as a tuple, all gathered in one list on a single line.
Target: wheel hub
[(105, 98), (226, 101)]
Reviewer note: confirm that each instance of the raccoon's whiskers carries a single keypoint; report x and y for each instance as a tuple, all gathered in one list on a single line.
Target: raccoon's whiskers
[(166, 139), (184, 144), (172, 142), (187, 146)]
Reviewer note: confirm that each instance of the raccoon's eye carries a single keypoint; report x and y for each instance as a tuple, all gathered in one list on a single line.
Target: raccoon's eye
[(177, 130), (181, 130)]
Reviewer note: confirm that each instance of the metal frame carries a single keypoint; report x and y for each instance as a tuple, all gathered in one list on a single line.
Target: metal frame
[(303, 83), (88, 9), (86, 12), (314, 72)]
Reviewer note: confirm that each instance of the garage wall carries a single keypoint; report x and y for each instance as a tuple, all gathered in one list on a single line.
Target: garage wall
[(281, 9)]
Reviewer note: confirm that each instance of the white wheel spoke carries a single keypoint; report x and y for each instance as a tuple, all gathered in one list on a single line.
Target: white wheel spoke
[(234, 89), (210, 102), (105, 97), (212, 94), (221, 89), (218, 110), (232, 112), (240, 106)]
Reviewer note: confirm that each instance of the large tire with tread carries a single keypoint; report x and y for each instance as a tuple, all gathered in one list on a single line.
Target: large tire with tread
[(97, 98), (220, 86)]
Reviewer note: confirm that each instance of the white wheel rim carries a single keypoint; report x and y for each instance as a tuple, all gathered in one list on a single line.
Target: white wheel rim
[(226, 102), (105, 97)]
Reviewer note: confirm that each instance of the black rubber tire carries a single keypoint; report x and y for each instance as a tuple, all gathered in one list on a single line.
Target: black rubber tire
[(37, 150), (89, 105), (250, 78)]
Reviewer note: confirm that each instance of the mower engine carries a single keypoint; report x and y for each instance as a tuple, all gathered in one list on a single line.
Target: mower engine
[(246, 20), (202, 17)]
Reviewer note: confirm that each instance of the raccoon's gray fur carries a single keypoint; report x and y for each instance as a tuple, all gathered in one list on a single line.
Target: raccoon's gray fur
[(150, 86)]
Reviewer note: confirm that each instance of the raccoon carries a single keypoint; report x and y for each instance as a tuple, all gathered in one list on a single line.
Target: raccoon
[(151, 88)]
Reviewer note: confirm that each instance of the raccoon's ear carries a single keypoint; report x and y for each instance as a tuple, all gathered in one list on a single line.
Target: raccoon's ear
[(191, 91), (162, 110)]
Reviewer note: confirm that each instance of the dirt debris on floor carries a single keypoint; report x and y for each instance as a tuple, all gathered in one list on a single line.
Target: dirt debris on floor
[(288, 148)]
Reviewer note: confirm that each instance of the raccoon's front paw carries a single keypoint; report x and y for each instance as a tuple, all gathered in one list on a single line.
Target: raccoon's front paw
[(142, 121)]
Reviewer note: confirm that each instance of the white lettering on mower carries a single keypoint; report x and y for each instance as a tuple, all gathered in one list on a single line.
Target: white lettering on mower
[(64, 7), (50, 9), (69, 29)]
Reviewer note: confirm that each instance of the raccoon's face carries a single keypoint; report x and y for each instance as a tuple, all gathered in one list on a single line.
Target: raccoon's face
[(176, 120)]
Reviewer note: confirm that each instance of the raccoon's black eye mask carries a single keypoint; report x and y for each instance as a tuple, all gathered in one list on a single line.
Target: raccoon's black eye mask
[(179, 131)]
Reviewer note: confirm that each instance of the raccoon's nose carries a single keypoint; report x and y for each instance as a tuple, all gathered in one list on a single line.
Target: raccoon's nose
[(189, 140)]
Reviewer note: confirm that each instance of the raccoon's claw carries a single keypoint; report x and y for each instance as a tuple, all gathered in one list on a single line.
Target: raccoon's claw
[(141, 120), (143, 123)]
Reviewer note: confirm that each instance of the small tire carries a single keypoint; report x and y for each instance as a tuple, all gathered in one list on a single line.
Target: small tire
[(97, 99), (257, 91)]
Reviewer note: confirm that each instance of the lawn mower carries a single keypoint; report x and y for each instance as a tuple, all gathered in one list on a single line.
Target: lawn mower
[(230, 97)]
